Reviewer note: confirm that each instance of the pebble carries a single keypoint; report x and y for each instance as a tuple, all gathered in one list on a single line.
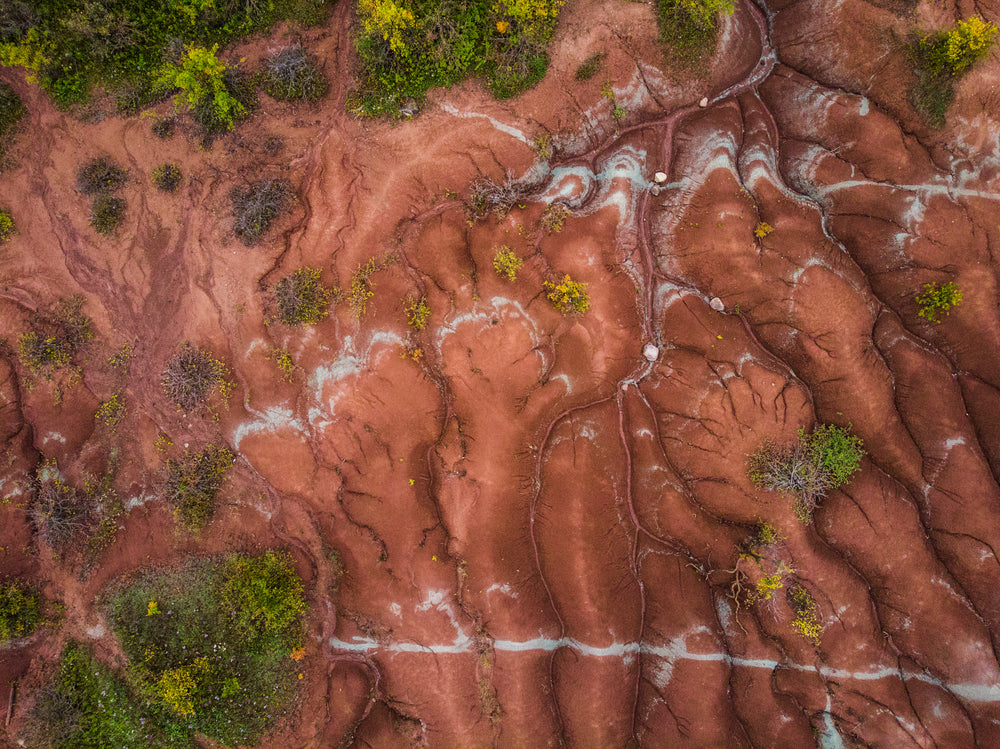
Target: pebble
[(703, 103), (650, 352), (655, 189), (716, 304), (660, 177)]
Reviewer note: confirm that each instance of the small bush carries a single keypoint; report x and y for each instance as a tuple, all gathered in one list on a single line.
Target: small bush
[(257, 205), (192, 376), (107, 213), (57, 511), (506, 263), (112, 411), (57, 335), (941, 58), (417, 313), (806, 621), (193, 482), (200, 76), (12, 110), (163, 128), (100, 176), (292, 75), (362, 287), (568, 296), (762, 230), (589, 67), (553, 218), (19, 610), (167, 177), (265, 592), (302, 298), (7, 228), (937, 299), (836, 450), (499, 197), (285, 363)]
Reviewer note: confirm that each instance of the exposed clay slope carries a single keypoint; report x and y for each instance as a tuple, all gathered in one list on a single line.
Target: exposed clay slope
[(536, 527)]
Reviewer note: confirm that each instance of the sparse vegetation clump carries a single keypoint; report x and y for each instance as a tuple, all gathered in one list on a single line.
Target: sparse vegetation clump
[(553, 218), (568, 296), (823, 460), (499, 197), (506, 263), (112, 411), (762, 229), (100, 175), (20, 611), (589, 67), (806, 621), (689, 27), (407, 48), (12, 111), (57, 335), (193, 483), (302, 298), (285, 363), (418, 312), (107, 213), (941, 58), (257, 205), (192, 376), (362, 287), (293, 76), (938, 299), (208, 87), (167, 177), (7, 228), (163, 127), (57, 510)]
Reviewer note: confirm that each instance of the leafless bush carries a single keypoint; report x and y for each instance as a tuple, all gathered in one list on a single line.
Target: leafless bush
[(292, 75), (488, 195), (794, 471), (56, 510), (191, 377), (257, 205)]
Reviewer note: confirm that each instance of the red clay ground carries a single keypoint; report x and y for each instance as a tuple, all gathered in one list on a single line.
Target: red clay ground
[(537, 529)]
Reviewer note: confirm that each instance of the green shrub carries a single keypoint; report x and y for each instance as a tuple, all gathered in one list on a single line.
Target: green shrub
[(192, 376), (408, 48), (553, 218), (12, 110), (689, 27), (19, 610), (7, 228), (167, 177), (194, 481), (806, 621), (820, 461), (936, 299), (941, 58), (107, 213), (209, 644), (257, 205), (200, 76), (506, 263), (302, 298), (292, 75), (362, 287), (568, 296)]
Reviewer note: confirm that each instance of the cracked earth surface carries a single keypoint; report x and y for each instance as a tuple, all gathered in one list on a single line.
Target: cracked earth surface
[(536, 527)]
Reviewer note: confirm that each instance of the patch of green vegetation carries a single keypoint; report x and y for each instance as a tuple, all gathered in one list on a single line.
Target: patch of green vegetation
[(589, 67), (407, 48), (122, 358), (937, 299), (7, 228), (293, 76), (506, 263), (20, 612), (568, 296), (192, 376), (56, 336), (193, 483), (823, 460), (12, 110), (255, 206), (418, 312), (302, 298), (689, 28), (125, 45), (941, 58), (209, 644), (107, 213), (208, 87), (167, 177)]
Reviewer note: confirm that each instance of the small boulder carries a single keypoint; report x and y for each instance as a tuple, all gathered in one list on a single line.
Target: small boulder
[(655, 190), (651, 352), (703, 103), (660, 177), (716, 304)]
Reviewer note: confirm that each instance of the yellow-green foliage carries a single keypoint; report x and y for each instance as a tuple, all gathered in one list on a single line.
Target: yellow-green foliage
[(388, 20), (362, 288), (177, 686), (284, 362), (42, 353), (19, 611), (764, 587), (533, 18), (554, 217), (806, 621), (417, 313), (568, 296), (193, 482), (937, 299), (7, 229), (506, 263), (200, 77), (762, 230), (112, 411), (265, 592), (121, 358), (29, 53), (765, 535), (968, 42), (302, 297)]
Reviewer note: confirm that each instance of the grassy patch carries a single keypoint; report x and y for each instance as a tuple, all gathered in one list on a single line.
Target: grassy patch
[(19, 610), (107, 213), (124, 46), (689, 28), (302, 298), (194, 481), (937, 299), (408, 48), (256, 206)]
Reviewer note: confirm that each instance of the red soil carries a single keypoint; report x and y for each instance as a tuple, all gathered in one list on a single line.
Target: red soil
[(537, 528)]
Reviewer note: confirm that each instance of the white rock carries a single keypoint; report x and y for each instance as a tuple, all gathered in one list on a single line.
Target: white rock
[(650, 352), (716, 304), (660, 177), (703, 103)]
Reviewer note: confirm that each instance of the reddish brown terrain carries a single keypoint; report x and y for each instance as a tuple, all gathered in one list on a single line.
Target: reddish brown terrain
[(536, 527)]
